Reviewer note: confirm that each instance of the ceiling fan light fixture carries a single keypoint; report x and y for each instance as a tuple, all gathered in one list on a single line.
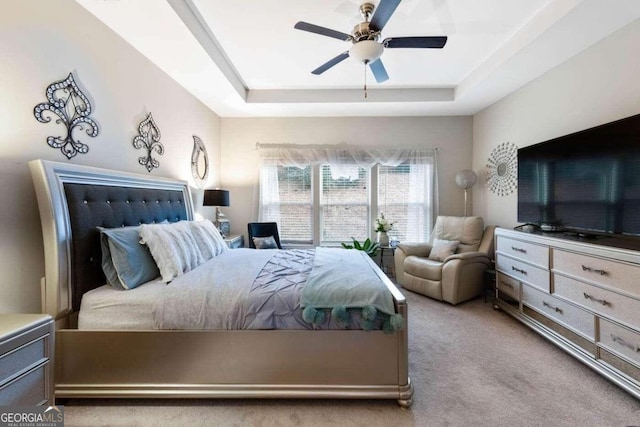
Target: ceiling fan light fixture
[(366, 51)]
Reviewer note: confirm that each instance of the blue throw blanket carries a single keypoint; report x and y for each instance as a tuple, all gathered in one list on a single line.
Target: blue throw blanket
[(343, 279)]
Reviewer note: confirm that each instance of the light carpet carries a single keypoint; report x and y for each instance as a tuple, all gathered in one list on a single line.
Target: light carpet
[(470, 366)]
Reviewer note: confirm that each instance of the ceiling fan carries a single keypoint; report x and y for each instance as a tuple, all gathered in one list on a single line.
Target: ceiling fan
[(365, 38)]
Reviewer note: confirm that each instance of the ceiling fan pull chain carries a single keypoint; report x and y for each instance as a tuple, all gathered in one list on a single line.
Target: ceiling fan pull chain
[(365, 80)]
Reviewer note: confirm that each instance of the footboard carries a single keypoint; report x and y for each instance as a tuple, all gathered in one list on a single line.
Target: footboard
[(233, 364)]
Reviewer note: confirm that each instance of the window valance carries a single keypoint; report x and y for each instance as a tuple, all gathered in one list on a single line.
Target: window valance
[(300, 155)]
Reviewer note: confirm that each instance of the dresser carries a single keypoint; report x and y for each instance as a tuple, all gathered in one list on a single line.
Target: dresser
[(582, 294), (235, 241), (26, 359)]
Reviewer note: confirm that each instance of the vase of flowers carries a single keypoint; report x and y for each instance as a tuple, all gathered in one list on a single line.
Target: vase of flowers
[(383, 225)]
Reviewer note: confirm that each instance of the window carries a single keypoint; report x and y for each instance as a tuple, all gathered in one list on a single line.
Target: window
[(288, 200), (327, 196), (404, 197), (344, 203)]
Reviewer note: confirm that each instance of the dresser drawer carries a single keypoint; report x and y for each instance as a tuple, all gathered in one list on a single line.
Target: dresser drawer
[(26, 359), (526, 273), (534, 254), (570, 316), (620, 340), (508, 289), (29, 389), (601, 301), (617, 275), (21, 358)]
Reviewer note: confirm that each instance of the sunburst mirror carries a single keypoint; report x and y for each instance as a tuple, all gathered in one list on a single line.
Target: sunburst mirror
[(502, 169)]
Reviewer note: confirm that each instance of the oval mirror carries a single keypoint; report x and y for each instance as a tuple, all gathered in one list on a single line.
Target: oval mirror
[(199, 162)]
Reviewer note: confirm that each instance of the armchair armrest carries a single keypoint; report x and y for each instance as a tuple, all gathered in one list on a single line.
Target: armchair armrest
[(463, 276), (468, 256), (417, 249), (408, 249)]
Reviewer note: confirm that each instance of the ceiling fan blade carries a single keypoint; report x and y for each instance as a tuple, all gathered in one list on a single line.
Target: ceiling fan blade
[(382, 13), (379, 72), (436, 42), (324, 67), (305, 26)]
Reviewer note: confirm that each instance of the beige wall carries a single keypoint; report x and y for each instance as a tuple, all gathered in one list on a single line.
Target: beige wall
[(240, 160), (43, 41), (599, 85)]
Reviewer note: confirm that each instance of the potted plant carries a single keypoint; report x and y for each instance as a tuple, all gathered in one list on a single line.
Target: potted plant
[(383, 225), (371, 248)]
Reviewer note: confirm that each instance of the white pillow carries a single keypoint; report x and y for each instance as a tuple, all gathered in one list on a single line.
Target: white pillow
[(173, 248), (442, 249), (208, 238)]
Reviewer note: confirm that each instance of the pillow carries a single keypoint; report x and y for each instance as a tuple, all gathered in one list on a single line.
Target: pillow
[(442, 249), (173, 247), (265, 242), (125, 262), (208, 239)]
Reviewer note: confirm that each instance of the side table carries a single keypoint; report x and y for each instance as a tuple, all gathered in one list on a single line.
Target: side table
[(26, 359), (382, 250), (235, 241)]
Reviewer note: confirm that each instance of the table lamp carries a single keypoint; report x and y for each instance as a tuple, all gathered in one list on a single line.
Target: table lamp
[(216, 198)]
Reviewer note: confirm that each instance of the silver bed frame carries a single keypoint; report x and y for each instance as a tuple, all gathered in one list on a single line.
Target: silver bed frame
[(201, 364)]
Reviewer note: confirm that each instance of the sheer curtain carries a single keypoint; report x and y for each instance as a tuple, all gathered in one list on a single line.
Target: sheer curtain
[(408, 196), (344, 159)]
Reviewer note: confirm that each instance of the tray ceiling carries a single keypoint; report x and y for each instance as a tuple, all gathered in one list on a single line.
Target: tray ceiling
[(244, 58)]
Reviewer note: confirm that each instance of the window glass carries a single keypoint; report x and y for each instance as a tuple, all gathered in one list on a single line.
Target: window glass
[(404, 198), (344, 203), (291, 202)]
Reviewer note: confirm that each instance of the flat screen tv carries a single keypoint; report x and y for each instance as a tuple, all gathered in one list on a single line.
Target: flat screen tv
[(587, 182)]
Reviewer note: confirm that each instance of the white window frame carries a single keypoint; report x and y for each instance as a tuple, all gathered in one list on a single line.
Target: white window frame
[(315, 156)]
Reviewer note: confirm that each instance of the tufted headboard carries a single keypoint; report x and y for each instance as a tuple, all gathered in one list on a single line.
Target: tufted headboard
[(73, 201)]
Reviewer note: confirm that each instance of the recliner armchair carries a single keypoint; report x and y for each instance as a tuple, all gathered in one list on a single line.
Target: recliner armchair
[(459, 276)]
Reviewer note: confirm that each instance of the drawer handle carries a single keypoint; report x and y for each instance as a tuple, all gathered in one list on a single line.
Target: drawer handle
[(508, 285), (592, 270), (623, 343), (556, 309), (519, 270), (522, 251), (601, 301)]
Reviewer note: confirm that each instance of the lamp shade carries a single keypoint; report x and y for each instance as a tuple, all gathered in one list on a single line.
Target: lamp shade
[(466, 178), (216, 198), (366, 51)]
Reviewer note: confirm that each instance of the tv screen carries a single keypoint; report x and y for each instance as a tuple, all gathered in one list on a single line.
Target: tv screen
[(588, 182)]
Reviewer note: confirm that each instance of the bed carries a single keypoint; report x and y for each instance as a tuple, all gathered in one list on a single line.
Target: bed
[(193, 363)]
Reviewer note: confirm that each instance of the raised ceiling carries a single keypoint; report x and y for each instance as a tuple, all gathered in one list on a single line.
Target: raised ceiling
[(244, 57)]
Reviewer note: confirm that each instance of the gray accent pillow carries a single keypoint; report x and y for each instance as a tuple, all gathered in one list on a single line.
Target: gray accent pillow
[(126, 263), (443, 249), (265, 242)]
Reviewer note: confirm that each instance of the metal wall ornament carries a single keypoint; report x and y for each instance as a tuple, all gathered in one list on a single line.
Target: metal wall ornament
[(199, 162), (73, 108), (148, 138), (502, 169)]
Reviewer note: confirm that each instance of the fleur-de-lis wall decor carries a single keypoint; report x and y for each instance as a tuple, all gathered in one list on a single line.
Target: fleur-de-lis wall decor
[(199, 162), (72, 107), (148, 138)]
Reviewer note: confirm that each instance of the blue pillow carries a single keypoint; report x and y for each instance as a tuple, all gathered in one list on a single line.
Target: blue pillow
[(126, 263)]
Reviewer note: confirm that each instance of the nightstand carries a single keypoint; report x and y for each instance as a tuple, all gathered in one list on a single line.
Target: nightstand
[(235, 241), (26, 359)]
